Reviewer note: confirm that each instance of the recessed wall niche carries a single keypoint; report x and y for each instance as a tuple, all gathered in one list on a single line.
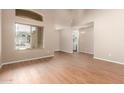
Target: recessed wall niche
[(28, 14)]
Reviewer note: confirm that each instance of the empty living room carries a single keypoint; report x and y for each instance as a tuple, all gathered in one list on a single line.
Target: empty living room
[(61, 46)]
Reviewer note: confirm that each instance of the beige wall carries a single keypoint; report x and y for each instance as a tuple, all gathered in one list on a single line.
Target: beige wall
[(57, 40), (8, 38), (86, 40), (0, 38), (108, 33), (66, 40)]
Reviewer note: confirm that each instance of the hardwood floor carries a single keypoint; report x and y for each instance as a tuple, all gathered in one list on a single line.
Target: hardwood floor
[(63, 68)]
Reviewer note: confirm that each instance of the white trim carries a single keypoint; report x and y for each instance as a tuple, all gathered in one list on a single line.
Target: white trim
[(108, 60), (57, 50), (28, 21), (86, 52), (66, 51), (12, 62)]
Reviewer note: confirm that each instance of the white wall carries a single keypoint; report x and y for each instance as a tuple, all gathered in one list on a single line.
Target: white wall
[(108, 33), (86, 40), (8, 38), (66, 41)]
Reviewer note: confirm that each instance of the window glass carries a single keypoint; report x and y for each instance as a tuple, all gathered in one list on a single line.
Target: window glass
[(28, 37)]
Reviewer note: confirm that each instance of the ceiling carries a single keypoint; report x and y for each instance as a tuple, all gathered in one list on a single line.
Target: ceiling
[(64, 18), (68, 17)]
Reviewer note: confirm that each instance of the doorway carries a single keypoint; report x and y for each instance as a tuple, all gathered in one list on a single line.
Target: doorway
[(75, 36)]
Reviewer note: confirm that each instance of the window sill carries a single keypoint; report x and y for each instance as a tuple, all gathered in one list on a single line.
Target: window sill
[(29, 49)]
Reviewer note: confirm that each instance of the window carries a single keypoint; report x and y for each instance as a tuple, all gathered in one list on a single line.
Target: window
[(28, 37)]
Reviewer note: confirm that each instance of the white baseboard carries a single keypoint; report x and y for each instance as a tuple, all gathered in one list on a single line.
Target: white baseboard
[(66, 51), (12, 62), (57, 50), (86, 52), (109, 60)]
